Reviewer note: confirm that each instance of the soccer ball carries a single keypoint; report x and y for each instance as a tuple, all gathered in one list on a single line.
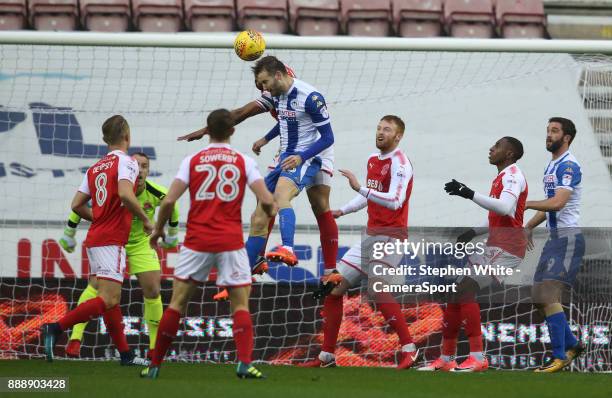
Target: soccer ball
[(249, 45)]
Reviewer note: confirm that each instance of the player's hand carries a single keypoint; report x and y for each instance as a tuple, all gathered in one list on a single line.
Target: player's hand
[(351, 178), (170, 241), (67, 241), (147, 227), (291, 162), (529, 236), (154, 237), (196, 135), (257, 145), (467, 236), (456, 188), (337, 213), (271, 210)]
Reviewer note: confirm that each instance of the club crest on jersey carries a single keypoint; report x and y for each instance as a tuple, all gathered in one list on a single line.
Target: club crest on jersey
[(294, 104), (385, 170), (147, 206)]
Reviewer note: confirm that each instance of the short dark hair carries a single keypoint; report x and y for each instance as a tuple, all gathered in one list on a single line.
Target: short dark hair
[(144, 155), (516, 146), (114, 128), (399, 123), (220, 124), (270, 64), (568, 127)]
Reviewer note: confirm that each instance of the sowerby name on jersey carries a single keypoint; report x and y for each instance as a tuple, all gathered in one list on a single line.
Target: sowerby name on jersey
[(218, 156)]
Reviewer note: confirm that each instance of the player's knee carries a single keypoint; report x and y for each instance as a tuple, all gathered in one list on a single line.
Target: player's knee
[(259, 224), (150, 291)]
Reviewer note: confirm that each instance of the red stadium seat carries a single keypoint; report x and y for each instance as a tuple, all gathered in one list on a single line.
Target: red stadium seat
[(158, 15), (13, 14), (315, 17), (209, 15), (469, 18), (105, 15), (521, 18), (417, 18), (269, 16), (53, 14), (366, 17)]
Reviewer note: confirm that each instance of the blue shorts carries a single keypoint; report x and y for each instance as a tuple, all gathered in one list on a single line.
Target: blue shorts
[(302, 176), (561, 257)]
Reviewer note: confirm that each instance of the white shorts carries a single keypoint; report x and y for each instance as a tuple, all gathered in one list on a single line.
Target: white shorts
[(233, 268), (356, 263), (496, 257), (107, 262)]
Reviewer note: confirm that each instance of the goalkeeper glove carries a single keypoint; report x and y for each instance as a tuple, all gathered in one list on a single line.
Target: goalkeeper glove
[(467, 236), (456, 188), (67, 241), (171, 239)]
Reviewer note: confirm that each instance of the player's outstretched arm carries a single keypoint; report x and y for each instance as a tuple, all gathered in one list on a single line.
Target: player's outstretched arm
[(129, 200), (264, 197), (239, 115), (166, 209), (357, 203), (555, 203)]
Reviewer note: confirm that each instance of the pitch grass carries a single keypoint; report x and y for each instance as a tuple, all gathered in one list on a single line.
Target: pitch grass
[(179, 380)]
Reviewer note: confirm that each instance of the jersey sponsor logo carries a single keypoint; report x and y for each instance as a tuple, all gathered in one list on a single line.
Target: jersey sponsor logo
[(549, 178), (374, 184), (286, 114)]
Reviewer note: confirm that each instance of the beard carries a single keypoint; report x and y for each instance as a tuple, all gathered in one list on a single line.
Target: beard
[(554, 146)]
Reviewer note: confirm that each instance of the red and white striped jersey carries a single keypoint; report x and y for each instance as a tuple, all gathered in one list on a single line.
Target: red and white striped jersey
[(111, 220), (217, 177)]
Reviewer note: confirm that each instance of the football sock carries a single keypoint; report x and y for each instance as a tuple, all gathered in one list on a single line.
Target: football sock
[(243, 335), (470, 311), (153, 311), (78, 329), (85, 312), (392, 312), (556, 329), (332, 319), (287, 226), (328, 230), (168, 327), (570, 339), (450, 330), (254, 245), (114, 324)]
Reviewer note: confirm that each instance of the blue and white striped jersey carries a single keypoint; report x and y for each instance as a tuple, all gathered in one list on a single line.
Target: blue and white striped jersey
[(564, 173), (300, 111)]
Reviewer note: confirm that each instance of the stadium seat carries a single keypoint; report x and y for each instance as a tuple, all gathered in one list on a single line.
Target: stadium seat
[(53, 14), (315, 17), (269, 16), (157, 15), (13, 14), (521, 18), (416, 18), (469, 18), (105, 15), (209, 15), (366, 17)]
